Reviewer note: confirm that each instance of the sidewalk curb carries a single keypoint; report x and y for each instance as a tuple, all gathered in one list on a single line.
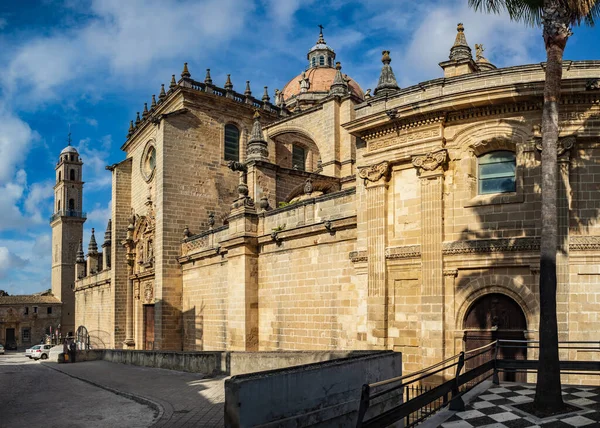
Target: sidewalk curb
[(158, 409)]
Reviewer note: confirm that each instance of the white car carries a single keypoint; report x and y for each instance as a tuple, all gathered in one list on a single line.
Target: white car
[(29, 351), (1, 349), (41, 353)]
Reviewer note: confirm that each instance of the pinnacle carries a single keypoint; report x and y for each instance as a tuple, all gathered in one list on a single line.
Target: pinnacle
[(228, 85), (208, 79), (173, 82), (387, 79), (162, 93), (185, 73), (265, 97)]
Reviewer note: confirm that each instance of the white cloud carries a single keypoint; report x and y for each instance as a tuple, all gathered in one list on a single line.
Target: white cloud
[(506, 42), (15, 139), (95, 158), (9, 261), (39, 196), (127, 39), (282, 12)]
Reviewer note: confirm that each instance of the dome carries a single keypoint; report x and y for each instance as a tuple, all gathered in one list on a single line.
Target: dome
[(320, 79), (69, 149)]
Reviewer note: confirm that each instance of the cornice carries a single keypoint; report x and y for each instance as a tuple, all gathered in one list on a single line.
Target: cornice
[(491, 245)]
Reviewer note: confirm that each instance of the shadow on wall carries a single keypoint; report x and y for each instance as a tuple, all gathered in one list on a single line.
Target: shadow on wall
[(492, 298)]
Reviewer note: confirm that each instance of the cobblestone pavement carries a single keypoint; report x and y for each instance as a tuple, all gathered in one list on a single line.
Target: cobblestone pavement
[(495, 409), (32, 395), (183, 399)]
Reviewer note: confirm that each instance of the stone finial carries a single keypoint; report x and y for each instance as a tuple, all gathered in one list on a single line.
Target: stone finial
[(186, 232), (257, 145), (80, 258), (211, 220), (137, 119), (265, 97), (145, 112), (208, 79), (339, 86), (248, 92), (93, 246), (153, 104), (185, 73), (387, 80), (173, 82), (162, 93), (108, 233), (131, 129), (460, 50), (228, 85)]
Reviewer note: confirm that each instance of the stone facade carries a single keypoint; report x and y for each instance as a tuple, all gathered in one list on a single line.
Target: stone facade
[(29, 320), (383, 239)]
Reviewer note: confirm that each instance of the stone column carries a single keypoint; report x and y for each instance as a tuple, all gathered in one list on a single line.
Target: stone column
[(431, 172), (375, 178), (129, 244), (449, 330), (562, 257)]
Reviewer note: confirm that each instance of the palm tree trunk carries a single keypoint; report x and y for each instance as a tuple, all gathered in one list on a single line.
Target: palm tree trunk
[(548, 397)]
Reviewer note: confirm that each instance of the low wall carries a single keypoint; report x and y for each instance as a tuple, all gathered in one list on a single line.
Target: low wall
[(325, 394), (215, 362)]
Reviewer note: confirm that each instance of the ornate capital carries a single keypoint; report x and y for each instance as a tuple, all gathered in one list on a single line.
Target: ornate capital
[(375, 172), (564, 145), (430, 162)]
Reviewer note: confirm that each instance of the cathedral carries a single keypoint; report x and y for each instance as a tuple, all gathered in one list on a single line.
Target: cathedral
[(335, 218)]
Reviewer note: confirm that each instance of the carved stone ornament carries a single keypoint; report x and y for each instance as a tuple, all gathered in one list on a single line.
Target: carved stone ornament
[(148, 292), (136, 291), (431, 161), (592, 85), (403, 252), (564, 144), (374, 173), (358, 256)]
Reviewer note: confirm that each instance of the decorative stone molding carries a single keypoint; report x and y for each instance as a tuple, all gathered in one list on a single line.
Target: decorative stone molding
[(431, 161), (403, 252), (534, 269), (404, 125), (189, 246), (491, 245), (148, 292), (584, 243), (409, 137), (358, 256), (477, 112), (451, 272), (375, 172)]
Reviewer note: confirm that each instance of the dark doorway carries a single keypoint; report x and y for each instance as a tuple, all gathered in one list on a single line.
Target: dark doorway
[(11, 342), (492, 317), (149, 327)]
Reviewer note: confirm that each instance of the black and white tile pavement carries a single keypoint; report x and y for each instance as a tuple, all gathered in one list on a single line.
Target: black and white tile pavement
[(494, 409)]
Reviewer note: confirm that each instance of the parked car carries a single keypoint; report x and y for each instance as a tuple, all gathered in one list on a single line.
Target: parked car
[(1, 349), (11, 345), (29, 351), (41, 353)]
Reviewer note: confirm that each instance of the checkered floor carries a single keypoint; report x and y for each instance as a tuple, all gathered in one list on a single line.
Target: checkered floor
[(493, 409)]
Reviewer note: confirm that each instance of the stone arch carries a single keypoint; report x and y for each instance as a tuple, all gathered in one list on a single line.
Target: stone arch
[(497, 134), (501, 284), (284, 142)]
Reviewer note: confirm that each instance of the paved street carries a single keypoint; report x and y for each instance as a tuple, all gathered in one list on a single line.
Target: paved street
[(101, 394), (32, 394)]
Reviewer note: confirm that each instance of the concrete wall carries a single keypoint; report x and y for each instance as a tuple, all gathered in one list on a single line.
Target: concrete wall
[(324, 394), (215, 363)]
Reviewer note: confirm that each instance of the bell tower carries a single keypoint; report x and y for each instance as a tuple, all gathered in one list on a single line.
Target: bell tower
[(67, 230)]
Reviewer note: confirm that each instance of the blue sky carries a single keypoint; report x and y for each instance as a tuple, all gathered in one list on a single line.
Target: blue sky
[(91, 64)]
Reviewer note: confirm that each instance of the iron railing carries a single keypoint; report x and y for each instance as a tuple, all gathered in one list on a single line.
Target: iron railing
[(68, 213), (423, 394)]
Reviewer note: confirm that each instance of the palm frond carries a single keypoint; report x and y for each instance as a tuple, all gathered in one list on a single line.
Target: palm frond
[(526, 11), (586, 11)]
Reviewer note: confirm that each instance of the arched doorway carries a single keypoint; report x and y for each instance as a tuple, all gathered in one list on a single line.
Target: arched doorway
[(491, 317)]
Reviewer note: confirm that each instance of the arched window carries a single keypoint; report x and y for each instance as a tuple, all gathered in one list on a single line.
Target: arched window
[(232, 143), (72, 175), (59, 176), (321, 60), (298, 157), (314, 61), (71, 204), (330, 62), (58, 206), (497, 172)]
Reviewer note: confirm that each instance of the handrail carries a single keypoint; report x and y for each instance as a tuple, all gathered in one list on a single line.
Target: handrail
[(419, 406), (426, 369)]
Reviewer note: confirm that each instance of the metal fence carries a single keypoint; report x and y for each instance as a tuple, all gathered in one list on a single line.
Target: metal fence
[(428, 390)]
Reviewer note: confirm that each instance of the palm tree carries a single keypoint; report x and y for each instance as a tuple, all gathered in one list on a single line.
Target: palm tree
[(556, 17)]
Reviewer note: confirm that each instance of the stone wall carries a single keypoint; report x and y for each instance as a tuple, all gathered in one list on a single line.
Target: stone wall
[(93, 310)]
